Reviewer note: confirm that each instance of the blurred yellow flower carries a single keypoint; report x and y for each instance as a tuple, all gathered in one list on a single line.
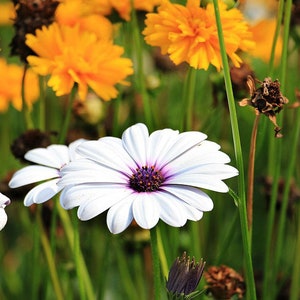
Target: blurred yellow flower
[(189, 33), (11, 86), (7, 13), (263, 34), (78, 12), (72, 56)]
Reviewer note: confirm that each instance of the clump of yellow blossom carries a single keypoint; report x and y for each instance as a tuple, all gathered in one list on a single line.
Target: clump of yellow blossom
[(7, 13), (11, 86), (73, 56), (189, 33)]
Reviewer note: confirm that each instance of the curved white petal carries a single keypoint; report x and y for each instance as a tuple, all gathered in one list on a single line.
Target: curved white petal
[(146, 210), (108, 152), (172, 210), (97, 203), (86, 171), (73, 147), (120, 216), (191, 195), (184, 142), (42, 192), (54, 156), (209, 182), (3, 218), (135, 142), (31, 174), (160, 142), (192, 213), (4, 200)]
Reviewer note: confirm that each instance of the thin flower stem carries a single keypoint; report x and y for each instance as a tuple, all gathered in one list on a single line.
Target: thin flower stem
[(42, 104), (139, 76), (251, 291), (189, 97), (25, 108), (155, 262), (64, 217), (162, 254), (66, 123), (49, 258), (251, 173)]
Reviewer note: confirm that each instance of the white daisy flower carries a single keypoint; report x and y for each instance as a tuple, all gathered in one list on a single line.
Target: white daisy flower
[(49, 162), (4, 201), (145, 178)]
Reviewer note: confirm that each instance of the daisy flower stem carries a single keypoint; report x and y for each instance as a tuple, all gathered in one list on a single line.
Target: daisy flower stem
[(251, 291), (162, 254), (155, 262), (67, 119), (49, 258), (25, 109), (67, 224), (139, 74)]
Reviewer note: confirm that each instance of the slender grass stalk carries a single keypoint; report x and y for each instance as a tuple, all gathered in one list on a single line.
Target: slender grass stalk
[(67, 224), (156, 264), (251, 290), (42, 104), (139, 76), (49, 257), (25, 108), (270, 272), (251, 173)]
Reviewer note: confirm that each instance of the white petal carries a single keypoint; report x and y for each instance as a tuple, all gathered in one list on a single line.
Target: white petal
[(101, 199), (86, 171), (201, 181), (42, 192), (4, 200), (135, 142), (160, 142), (54, 156), (3, 218), (192, 196), (184, 142), (146, 210), (109, 152), (31, 174), (72, 149), (172, 210), (192, 213), (120, 216)]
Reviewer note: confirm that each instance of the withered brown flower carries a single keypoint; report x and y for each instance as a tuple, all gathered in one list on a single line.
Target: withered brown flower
[(224, 282), (30, 15), (267, 99)]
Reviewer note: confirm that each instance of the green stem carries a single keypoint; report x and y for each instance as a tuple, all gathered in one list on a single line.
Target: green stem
[(42, 104), (156, 265), (66, 123), (189, 97), (162, 255), (25, 108), (49, 258), (251, 291), (139, 76), (64, 217)]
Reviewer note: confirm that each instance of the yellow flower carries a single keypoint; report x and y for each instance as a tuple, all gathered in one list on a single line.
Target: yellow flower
[(7, 13), (71, 56), (263, 34), (11, 86), (189, 33), (78, 12)]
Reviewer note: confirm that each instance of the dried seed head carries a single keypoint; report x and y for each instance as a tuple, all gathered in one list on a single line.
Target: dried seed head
[(30, 15), (267, 99), (224, 282)]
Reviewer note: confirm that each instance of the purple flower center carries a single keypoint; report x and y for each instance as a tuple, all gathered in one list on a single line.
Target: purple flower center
[(146, 179)]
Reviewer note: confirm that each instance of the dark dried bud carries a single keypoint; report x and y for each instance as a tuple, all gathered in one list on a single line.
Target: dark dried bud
[(30, 15), (224, 282), (239, 77), (184, 276), (267, 99), (30, 139)]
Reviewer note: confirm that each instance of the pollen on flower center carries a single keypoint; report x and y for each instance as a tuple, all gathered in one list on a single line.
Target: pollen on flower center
[(146, 179)]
